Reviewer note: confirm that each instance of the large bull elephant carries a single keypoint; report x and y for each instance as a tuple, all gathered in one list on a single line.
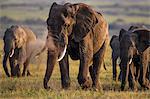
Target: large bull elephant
[(134, 48), (18, 47), (78, 31)]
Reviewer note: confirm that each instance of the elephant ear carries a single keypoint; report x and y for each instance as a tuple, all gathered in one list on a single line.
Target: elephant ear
[(20, 36), (143, 38), (47, 21), (122, 32), (112, 40), (85, 20)]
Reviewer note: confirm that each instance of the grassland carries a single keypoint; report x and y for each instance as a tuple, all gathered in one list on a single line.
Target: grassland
[(32, 87), (18, 11)]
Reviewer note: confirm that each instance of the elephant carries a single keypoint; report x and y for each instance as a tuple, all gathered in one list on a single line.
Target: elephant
[(115, 46), (19, 46), (134, 53), (79, 31)]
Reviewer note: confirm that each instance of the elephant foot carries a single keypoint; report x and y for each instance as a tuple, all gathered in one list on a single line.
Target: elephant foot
[(97, 87), (146, 85), (45, 83), (122, 87), (66, 84), (114, 78), (85, 83), (23, 74), (28, 73)]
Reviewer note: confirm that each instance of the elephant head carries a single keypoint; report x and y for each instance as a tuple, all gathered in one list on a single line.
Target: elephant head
[(14, 39), (69, 22), (132, 42)]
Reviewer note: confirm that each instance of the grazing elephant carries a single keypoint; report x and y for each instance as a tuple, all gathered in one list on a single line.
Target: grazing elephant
[(134, 48), (78, 31), (18, 47), (115, 46)]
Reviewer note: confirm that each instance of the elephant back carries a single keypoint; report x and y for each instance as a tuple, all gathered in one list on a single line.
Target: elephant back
[(30, 35)]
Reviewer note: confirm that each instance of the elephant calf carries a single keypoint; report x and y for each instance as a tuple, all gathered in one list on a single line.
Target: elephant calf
[(19, 46), (115, 46)]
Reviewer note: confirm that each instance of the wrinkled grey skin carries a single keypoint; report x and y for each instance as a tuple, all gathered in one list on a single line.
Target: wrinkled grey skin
[(85, 33), (134, 44), (115, 46)]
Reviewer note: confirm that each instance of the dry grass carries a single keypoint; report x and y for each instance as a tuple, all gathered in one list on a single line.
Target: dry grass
[(31, 87)]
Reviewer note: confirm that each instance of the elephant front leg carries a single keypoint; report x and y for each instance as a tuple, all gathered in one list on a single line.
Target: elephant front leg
[(64, 69), (51, 60), (114, 64), (85, 59), (12, 65)]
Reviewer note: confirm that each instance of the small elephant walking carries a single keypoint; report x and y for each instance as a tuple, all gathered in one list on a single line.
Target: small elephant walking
[(115, 46), (18, 47), (78, 31)]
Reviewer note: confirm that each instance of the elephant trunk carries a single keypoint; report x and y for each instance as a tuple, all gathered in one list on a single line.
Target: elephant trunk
[(5, 58)]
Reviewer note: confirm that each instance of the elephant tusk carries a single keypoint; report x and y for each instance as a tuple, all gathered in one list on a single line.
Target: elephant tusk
[(130, 61), (12, 53), (63, 54)]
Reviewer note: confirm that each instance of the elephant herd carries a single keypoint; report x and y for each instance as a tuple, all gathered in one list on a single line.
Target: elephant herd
[(132, 46), (76, 30)]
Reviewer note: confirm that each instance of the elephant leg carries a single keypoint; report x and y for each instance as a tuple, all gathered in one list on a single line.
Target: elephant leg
[(28, 72), (145, 66), (12, 64), (132, 80), (125, 73), (120, 74), (91, 71), (51, 60), (97, 61), (64, 69), (17, 70), (25, 67), (85, 59), (114, 64)]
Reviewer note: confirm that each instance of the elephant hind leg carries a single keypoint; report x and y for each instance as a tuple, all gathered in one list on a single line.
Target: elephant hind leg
[(26, 68), (97, 61)]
